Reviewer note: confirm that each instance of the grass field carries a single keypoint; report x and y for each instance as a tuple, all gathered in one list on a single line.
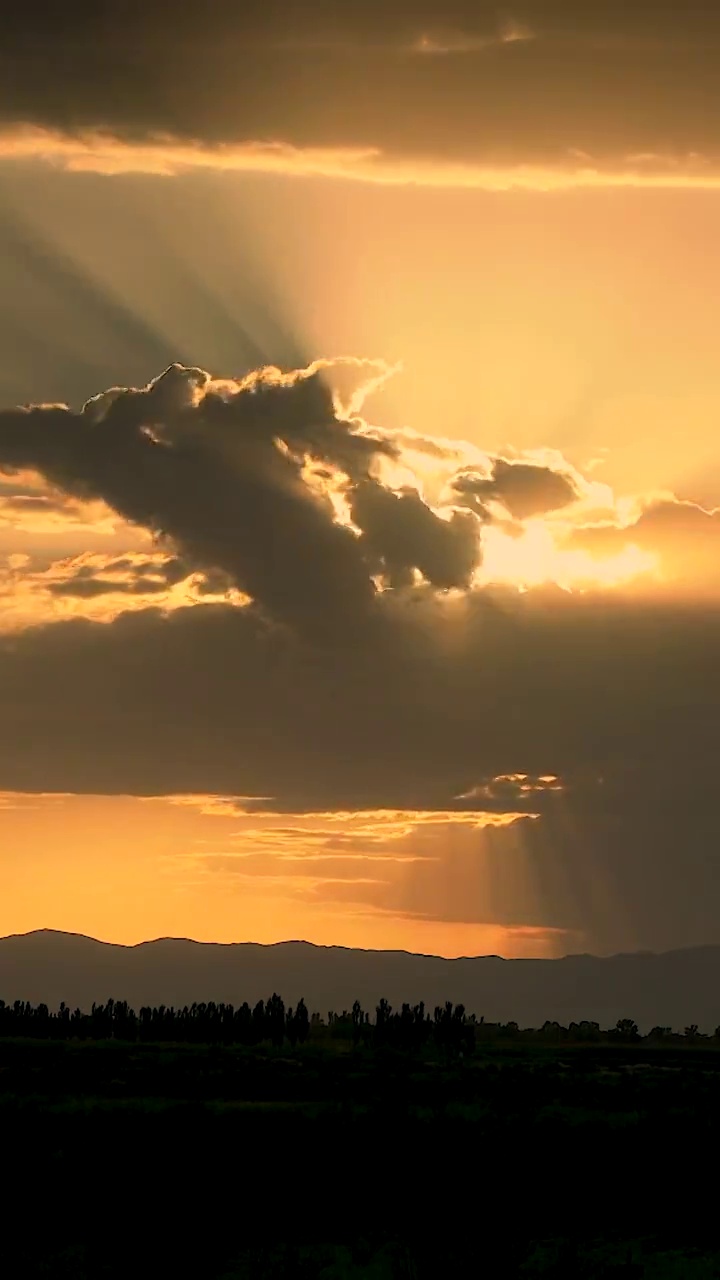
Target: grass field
[(221, 1162)]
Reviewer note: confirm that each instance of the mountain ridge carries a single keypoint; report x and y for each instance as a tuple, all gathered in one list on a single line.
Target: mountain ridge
[(674, 988), (337, 946)]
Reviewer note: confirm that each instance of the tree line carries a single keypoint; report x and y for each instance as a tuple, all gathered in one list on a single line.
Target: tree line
[(411, 1028)]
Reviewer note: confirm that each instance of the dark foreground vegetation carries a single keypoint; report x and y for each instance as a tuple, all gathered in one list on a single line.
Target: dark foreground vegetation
[(411, 1028), (207, 1144)]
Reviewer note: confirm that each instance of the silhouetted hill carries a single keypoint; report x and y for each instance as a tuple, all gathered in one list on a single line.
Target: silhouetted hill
[(675, 988)]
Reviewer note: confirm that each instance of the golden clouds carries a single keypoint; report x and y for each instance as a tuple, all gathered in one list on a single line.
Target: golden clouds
[(99, 587), (368, 825), (375, 861), (91, 150), (384, 510)]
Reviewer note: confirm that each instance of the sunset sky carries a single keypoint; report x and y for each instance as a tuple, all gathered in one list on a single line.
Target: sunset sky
[(359, 478)]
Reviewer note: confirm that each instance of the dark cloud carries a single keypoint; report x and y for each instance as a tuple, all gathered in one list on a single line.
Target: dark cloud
[(615, 697), (89, 588), (401, 533), (171, 570), (204, 467), (537, 684), (213, 583), (524, 489), (219, 470), (605, 79)]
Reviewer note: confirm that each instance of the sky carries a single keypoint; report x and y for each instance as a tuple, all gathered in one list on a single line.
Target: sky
[(359, 488)]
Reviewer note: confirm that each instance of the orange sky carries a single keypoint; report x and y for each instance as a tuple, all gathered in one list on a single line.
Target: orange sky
[(125, 869), (580, 322)]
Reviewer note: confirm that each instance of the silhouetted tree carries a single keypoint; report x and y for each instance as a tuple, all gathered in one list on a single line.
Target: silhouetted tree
[(408, 1030), (357, 1022), (382, 1022), (302, 1021), (275, 1019), (258, 1022)]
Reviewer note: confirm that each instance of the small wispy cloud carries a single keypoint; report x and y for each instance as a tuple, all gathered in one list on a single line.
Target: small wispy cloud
[(459, 42)]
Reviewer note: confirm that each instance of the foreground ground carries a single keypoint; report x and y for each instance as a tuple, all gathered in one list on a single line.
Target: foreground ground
[(328, 1162)]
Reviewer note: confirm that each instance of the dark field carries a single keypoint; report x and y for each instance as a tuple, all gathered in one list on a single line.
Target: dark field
[(125, 1160)]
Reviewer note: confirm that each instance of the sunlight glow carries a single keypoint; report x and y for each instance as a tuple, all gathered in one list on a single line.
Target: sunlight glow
[(534, 558)]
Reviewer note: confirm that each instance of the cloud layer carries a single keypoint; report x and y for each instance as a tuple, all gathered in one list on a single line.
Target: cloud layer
[(334, 617), (89, 149), (566, 94)]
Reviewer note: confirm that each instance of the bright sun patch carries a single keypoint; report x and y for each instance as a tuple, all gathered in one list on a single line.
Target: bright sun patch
[(534, 558)]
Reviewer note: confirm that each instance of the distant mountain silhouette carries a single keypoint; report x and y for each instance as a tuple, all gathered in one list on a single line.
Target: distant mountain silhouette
[(675, 988)]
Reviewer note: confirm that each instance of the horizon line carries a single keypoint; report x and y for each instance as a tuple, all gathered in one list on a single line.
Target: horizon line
[(320, 946)]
